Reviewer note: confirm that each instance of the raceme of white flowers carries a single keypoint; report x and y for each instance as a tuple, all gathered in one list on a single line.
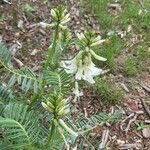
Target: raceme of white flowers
[(59, 16), (81, 65)]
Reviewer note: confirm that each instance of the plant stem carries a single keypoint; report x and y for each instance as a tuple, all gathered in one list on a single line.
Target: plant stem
[(51, 132), (52, 49)]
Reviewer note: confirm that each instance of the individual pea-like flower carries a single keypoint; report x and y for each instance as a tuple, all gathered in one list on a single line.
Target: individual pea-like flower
[(60, 17), (72, 66), (57, 105), (76, 90), (97, 56), (90, 70)]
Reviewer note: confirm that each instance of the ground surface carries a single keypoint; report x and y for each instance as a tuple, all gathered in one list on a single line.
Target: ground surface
[(126, 26)]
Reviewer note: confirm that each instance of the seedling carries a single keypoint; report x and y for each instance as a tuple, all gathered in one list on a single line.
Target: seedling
[(141, 125)]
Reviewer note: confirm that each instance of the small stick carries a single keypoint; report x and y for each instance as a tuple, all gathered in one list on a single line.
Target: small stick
[(145, 107), (105, 136), (145, 88), (129, 124)]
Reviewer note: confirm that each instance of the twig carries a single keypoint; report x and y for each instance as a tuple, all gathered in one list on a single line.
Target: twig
[(129, 146), (142, 3), (124, 87), (20, 64), (105, 136), (145, 88), (6, 1), (85, 112), (128, 117), (129, 124), (145, 107)]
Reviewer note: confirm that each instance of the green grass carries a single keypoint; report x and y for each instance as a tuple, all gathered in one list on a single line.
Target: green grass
[(28, 9), (2, 18), (130, 67), (132, 13), (108, 90), (142, 52), (99, 8), (141, 125), (110, 50)]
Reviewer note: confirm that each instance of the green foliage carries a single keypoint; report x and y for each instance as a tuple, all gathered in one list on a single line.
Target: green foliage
[(28, 9), (130, 67), (108, 90), (86, 125), (20, 127), (5, 92), (2, 18), (142, 52), (133, 13), (110, 51), (59, 80), (100, 9), (25, 78), (141, 125), (5, 54)]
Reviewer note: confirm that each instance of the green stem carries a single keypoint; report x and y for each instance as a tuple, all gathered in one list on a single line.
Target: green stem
[(51, 132), (52, 49)]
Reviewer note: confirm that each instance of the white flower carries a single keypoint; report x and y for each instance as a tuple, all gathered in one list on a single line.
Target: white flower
[(71, 66), (97, 56), (90, 70), (76, 90), (82, 68)]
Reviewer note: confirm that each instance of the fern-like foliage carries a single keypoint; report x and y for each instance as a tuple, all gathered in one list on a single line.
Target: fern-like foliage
[(5, 92), (5, 54), (26, 78), (85, 125), (21, 128), (59, 80)]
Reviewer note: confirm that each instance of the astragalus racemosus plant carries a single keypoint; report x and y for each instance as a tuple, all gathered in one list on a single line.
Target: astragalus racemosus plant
[(82, 65), (36, 109)]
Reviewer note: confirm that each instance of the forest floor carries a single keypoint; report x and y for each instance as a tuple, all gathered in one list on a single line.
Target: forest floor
[(126, 26)]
